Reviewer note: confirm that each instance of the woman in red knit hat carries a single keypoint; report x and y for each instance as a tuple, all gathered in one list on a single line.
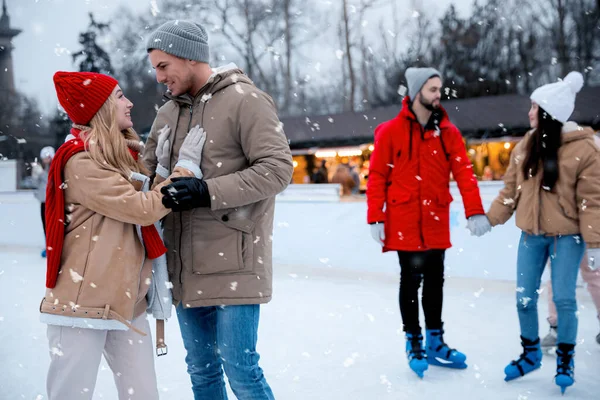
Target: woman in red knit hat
[(106, 259)]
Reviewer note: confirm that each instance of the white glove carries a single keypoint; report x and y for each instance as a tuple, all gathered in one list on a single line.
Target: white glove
[(190, 153), (36, 170), (479, 225), (162, 152), (378, 233), (593, 256)]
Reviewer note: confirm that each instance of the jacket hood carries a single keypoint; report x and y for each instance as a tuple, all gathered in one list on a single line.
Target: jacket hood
[(221, 78), (407, 113), (571, 132)]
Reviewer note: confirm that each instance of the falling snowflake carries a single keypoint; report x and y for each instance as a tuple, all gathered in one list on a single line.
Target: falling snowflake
[(233, 286), (56, 352), (169, 285), (75, 276)]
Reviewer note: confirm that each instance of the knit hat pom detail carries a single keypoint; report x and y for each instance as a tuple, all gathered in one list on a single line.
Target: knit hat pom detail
[(575, 81)]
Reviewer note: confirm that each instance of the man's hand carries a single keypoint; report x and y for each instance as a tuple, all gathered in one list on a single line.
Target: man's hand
[(185, 193)]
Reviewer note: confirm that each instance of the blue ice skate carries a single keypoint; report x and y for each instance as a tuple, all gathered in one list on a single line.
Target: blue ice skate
[(417, 361), (440, 354), (565, 366), (528, 361)]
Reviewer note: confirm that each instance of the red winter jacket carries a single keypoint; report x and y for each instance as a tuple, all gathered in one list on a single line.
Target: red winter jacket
[(409, 179)]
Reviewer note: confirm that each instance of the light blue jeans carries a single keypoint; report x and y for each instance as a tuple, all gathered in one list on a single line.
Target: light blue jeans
[(565, 254), (223, 338)]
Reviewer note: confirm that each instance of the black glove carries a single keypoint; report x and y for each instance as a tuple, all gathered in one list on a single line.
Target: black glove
[(185, 193)]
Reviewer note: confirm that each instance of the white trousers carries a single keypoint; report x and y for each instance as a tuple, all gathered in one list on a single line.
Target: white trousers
[(75, 359)]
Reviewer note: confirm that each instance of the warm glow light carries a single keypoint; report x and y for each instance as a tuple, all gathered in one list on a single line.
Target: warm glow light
[(507, 145), (350, 152), (325, 154), (295, 163), (371, 148)]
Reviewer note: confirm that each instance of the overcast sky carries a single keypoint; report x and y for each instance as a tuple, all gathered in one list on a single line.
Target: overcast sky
[(50, 27)]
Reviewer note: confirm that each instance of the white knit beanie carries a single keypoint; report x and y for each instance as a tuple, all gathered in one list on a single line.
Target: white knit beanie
[(558, 99), (47, 152)]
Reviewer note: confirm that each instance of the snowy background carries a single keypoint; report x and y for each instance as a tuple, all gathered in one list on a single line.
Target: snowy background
[(333, 330)]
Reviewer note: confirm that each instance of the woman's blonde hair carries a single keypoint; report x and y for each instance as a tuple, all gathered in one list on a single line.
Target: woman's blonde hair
[(108, 145)]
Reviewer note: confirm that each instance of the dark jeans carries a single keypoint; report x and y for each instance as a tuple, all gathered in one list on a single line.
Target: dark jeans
[(416, 267), (223, 338)]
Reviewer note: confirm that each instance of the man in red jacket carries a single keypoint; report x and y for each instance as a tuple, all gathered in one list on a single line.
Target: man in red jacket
[(409, 208)]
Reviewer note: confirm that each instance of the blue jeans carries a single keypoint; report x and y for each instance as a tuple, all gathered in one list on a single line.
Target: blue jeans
[(565, 253), (223, 338)]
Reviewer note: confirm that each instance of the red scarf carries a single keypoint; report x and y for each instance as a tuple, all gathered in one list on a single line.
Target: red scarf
[(55, 211)]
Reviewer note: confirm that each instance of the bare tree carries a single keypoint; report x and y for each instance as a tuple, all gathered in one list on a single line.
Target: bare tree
[(351, 76)]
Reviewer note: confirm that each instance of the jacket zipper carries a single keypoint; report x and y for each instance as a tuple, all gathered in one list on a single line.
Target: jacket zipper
[(181, 213), (420, 186)]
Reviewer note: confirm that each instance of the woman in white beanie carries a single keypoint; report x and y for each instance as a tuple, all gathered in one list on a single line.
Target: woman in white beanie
[(553, 186), (39, 174)]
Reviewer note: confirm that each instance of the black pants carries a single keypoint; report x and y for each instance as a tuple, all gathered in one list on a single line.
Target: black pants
[(43, 210), (416, 267)]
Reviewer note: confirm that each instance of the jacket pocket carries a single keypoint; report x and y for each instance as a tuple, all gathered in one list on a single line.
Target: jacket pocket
[(444, 198), (220, 244), (397, 197), (568, 208)]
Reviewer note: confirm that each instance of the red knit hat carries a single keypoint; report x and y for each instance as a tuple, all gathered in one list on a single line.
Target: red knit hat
[(82, 94)]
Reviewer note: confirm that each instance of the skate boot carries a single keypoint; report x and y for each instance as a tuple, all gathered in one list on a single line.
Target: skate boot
[(549, 341), (417, 361), (565, 366), (530, 360), (440, 354)]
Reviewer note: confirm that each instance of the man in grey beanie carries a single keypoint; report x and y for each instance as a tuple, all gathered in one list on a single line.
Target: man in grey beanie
[(219, 235), (408, 208)]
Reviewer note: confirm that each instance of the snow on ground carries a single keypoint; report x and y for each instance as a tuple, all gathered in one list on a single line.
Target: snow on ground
[(333, 330)]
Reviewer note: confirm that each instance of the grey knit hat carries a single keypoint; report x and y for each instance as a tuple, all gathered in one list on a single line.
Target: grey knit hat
[(416, 78), (183, 39)]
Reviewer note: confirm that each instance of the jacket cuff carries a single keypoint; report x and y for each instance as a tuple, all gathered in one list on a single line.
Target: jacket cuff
[(162, 171), (189, 165)]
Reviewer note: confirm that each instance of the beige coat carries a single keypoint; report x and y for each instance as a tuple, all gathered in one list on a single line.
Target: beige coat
[(573, 207), (222, 255), (104, 273)]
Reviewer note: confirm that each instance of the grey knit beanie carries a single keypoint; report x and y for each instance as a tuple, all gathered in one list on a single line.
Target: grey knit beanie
[(416, 78), (183, 39)]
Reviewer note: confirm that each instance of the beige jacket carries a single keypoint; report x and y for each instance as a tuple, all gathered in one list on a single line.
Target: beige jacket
[(222, 255), (104, 273), (573, 207)]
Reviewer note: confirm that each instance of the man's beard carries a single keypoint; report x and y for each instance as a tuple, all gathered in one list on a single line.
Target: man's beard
[(428, 106)]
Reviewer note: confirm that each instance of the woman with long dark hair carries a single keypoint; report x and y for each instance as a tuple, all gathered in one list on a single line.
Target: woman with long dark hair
[(553, 186)]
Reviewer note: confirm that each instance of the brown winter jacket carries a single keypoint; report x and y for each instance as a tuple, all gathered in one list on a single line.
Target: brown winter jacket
[(104, 272), (222, 255), (572, 207)]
